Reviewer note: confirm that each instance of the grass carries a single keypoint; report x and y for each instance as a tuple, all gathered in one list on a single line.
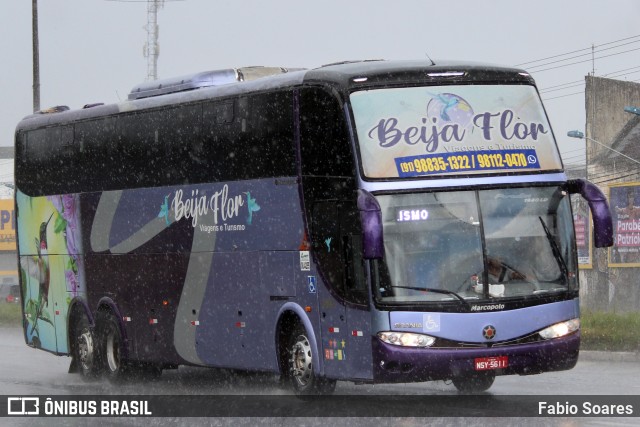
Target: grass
[(600, 330), (10, 314), (610, 331)]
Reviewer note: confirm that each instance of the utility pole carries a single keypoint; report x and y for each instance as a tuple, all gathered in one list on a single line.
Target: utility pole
[(36, 57)]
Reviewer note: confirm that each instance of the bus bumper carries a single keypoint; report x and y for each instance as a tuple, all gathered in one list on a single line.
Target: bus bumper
[(394, 364)]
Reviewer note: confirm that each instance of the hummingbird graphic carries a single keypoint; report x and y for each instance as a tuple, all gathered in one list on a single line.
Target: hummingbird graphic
[(252, 206), (38, 268), (328, 243), (448, 102), (164, 210)]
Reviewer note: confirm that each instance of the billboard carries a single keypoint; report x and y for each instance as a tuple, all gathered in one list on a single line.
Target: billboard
[(624, 200), (7, 226)]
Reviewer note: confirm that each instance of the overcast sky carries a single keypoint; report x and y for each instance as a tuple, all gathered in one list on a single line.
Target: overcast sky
[(92, 50)]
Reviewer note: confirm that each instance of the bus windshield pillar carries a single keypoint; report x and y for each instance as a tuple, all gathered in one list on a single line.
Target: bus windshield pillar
[(371, 217)]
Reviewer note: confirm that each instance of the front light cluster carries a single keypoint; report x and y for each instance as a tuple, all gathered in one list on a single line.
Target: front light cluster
[(406, 339), (560, 329)]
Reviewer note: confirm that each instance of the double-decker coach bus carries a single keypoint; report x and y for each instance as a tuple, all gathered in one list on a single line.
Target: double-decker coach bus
[(373, 221)]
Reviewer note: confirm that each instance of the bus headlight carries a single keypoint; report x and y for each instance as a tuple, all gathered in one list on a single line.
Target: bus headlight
[(560, 329), (406, 339)]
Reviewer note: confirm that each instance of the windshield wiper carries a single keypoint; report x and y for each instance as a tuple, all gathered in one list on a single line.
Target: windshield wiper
[(555, 250), (436, 291)]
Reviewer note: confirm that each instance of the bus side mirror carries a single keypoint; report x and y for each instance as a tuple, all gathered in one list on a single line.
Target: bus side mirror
[(602, 221), (371, 218)]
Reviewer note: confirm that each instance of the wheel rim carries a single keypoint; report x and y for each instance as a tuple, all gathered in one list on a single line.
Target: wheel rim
[(301, 362), (85, 350), (113, 351)]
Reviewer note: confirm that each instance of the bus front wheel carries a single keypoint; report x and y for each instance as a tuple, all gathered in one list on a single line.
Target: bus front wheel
[(303, 377), (84, 349), (474, 382)]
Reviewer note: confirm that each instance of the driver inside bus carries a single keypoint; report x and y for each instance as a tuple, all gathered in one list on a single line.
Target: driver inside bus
[(500, 272), (530, 260)]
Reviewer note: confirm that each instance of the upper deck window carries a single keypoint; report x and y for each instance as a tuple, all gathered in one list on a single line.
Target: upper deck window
[(453, 130)]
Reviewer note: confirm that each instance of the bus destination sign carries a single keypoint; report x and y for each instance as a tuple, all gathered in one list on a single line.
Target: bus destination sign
[(453, 130)]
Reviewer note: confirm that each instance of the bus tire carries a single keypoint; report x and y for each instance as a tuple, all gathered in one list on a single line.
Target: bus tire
[(84, 348), (303, 378), (474, 382), (111, 346)]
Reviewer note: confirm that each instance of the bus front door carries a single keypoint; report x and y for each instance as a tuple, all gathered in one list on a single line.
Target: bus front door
[(344, 315)]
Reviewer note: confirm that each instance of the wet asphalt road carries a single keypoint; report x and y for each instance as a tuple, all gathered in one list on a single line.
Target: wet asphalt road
[(26, 371)]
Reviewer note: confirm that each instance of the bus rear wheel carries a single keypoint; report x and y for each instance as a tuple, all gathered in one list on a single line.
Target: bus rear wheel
[(474, 382), (304, 380), (111, 346)]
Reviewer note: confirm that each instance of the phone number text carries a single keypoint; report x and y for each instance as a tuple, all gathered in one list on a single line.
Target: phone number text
[(469, 161)]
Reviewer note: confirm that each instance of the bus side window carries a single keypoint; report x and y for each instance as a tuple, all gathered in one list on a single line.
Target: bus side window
[(249, 137), (171, 142), (94, 161), (325, 139)]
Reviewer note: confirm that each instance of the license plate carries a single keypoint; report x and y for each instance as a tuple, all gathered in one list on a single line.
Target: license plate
[(488, 363)]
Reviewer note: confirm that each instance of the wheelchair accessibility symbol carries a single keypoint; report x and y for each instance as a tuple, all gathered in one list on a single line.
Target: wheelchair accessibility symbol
[(431, 322), (311, 283)]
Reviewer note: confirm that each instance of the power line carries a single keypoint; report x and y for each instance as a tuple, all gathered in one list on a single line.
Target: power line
[(574, 160), (574, 150), (563, 96), (562, 88), (607, 174), (581, 55), (577, 93), (619, 71), (615, 179), (580, 152), (562, 84), (586, 60), (576, 51), (576, 83)]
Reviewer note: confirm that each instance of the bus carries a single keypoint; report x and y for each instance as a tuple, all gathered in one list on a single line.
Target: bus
[(366, 221)]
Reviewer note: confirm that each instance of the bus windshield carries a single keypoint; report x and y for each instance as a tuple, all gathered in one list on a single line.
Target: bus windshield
[(444, 246), (427, 131)]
